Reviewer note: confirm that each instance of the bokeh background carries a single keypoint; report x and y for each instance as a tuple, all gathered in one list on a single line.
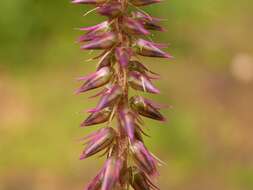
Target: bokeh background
[(207, 142)]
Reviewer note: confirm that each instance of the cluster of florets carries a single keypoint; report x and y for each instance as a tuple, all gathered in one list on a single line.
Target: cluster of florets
[(120, 38)]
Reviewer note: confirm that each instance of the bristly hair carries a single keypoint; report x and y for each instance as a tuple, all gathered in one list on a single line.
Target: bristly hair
[(122, 41)]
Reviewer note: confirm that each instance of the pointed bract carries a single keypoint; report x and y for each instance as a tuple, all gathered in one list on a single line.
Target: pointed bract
[(90, 36), (133, 26), (109, 98), (145, 16), (97, 117), (97, 79), (103, 26), (98, 141), (145, 108), (111, 10), (144, 160), (112, 173), (141, 182), (139, 67), (88, 1), (107, 40), (149, 49), (148, 22), (141, 82)]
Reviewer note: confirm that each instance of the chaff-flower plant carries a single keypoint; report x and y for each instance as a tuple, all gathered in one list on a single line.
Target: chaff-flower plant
[(122, 41)]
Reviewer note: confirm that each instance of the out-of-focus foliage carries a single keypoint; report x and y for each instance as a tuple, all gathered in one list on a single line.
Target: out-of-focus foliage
[(207, 141)]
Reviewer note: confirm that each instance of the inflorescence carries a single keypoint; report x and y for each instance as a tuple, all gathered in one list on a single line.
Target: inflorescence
[(120, 38)]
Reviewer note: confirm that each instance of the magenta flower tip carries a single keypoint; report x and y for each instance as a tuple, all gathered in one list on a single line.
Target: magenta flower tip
[(87, 1)]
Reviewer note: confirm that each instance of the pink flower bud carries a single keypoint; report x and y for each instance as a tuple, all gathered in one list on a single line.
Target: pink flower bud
[(109, 98), (111, 10), (149, 49), (148, 22), (107, 40), (98, 141), (143, 159), (88, 1), (97, 79), (146, 17), (133, 26), (144, 2), (112, 173), (97, 117), (103, 26), (140, 82), (152, 25), (145, 108), (89, 36)]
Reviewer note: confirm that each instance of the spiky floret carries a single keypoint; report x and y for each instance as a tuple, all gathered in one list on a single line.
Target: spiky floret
[(120, 37)]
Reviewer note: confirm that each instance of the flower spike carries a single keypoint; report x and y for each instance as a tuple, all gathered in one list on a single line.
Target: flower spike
[(119, 70)]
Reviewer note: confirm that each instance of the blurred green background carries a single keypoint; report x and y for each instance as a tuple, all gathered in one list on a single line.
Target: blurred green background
[(208, 139)]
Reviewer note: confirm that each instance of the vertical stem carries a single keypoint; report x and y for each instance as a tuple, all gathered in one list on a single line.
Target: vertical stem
[(122, 141)]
